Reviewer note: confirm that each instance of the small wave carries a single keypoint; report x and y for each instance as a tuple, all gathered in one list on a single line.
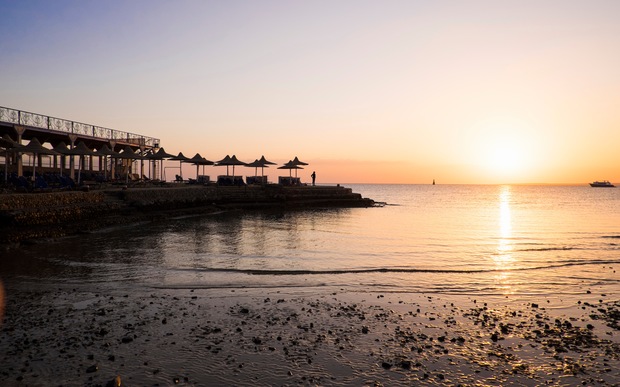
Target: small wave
[(397, 269), (611, 236), (548, 249)]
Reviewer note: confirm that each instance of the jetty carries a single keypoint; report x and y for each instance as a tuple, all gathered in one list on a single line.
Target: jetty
[(91, 180), (36, 216)]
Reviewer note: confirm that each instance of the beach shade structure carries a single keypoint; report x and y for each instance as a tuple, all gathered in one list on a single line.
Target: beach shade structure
[(9, 145), (290, 166), (81, 150), (129, 154), (160, 155), (7, 142), (225, 161), (62, 149), (255, 164), (106, 152), (35, 147), (198, 161), (265, 161), (297, 162), (230, 161), (180, 158), (234, 161), (261, 163)]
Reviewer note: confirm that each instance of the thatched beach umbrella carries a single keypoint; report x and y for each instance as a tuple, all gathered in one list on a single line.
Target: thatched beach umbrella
[(265, 164), (35, 147), (255, 164), (261, 163), (230, 161), (180, 158), (106, 152), (198, 160), (63, 150), (129, 154), (225, 161), (290, 166), (9, 145), (81, 150), (297, 162), (160, 155)]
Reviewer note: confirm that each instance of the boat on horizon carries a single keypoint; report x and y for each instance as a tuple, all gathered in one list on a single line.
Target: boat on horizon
[(603, 183)]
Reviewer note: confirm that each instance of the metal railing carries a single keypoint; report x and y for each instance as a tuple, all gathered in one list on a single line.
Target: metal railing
[(19, 117)]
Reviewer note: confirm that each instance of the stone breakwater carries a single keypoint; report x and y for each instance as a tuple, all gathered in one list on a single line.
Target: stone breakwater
[(25, 217)]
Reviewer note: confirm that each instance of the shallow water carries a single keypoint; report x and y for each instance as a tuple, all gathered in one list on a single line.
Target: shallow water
[(491, 240), (330, 297)]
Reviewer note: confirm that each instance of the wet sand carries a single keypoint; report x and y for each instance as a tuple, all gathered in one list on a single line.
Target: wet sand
[(72, 335)]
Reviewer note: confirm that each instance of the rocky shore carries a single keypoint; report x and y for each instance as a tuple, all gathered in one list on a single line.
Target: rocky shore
[(27, 217), (77, 336)]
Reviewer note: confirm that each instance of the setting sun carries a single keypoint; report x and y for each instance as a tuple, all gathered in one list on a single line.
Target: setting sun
[(505, 159), (504, 146)]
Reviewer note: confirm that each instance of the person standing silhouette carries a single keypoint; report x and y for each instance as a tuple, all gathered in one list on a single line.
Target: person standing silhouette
[(313, 177)]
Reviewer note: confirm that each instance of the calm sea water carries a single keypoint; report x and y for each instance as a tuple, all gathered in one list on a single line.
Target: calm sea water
[(466, 239)]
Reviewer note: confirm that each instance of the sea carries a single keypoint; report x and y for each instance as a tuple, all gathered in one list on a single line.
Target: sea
[(478, 240)]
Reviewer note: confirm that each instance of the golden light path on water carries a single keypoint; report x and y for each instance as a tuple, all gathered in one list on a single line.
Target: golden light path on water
[(504, 258)]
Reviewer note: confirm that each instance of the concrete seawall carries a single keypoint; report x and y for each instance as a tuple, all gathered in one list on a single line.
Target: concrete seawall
[(243, 197), (54, 214)]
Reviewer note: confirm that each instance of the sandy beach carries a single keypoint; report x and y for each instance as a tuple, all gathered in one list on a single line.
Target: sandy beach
[(72, 335)]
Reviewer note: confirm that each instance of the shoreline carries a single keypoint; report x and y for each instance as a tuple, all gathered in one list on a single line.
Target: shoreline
[(73, 334)]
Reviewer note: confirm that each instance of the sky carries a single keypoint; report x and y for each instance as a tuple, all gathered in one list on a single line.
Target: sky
[(463, 92)]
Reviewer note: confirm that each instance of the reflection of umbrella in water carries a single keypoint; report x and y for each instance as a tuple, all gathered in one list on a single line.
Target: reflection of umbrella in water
[(290, 166), (160, 155), (230, 161), (198, 160), (36, 148), (180, 158)]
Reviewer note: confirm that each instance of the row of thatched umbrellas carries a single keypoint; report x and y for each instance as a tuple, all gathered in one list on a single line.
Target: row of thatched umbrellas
[(227, 161), (82, 150)]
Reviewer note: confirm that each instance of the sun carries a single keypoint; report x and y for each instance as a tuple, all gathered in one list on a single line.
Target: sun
[(505, 158), (502, 148)]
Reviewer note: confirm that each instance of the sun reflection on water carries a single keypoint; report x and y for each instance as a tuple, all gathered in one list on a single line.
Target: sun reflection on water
[(503, 257), (505, 226)]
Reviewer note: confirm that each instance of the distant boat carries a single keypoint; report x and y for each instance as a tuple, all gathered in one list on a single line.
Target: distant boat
[(603, 183)]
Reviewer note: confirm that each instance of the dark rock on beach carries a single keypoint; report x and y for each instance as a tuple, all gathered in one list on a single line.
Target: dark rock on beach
[(223, 337)]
